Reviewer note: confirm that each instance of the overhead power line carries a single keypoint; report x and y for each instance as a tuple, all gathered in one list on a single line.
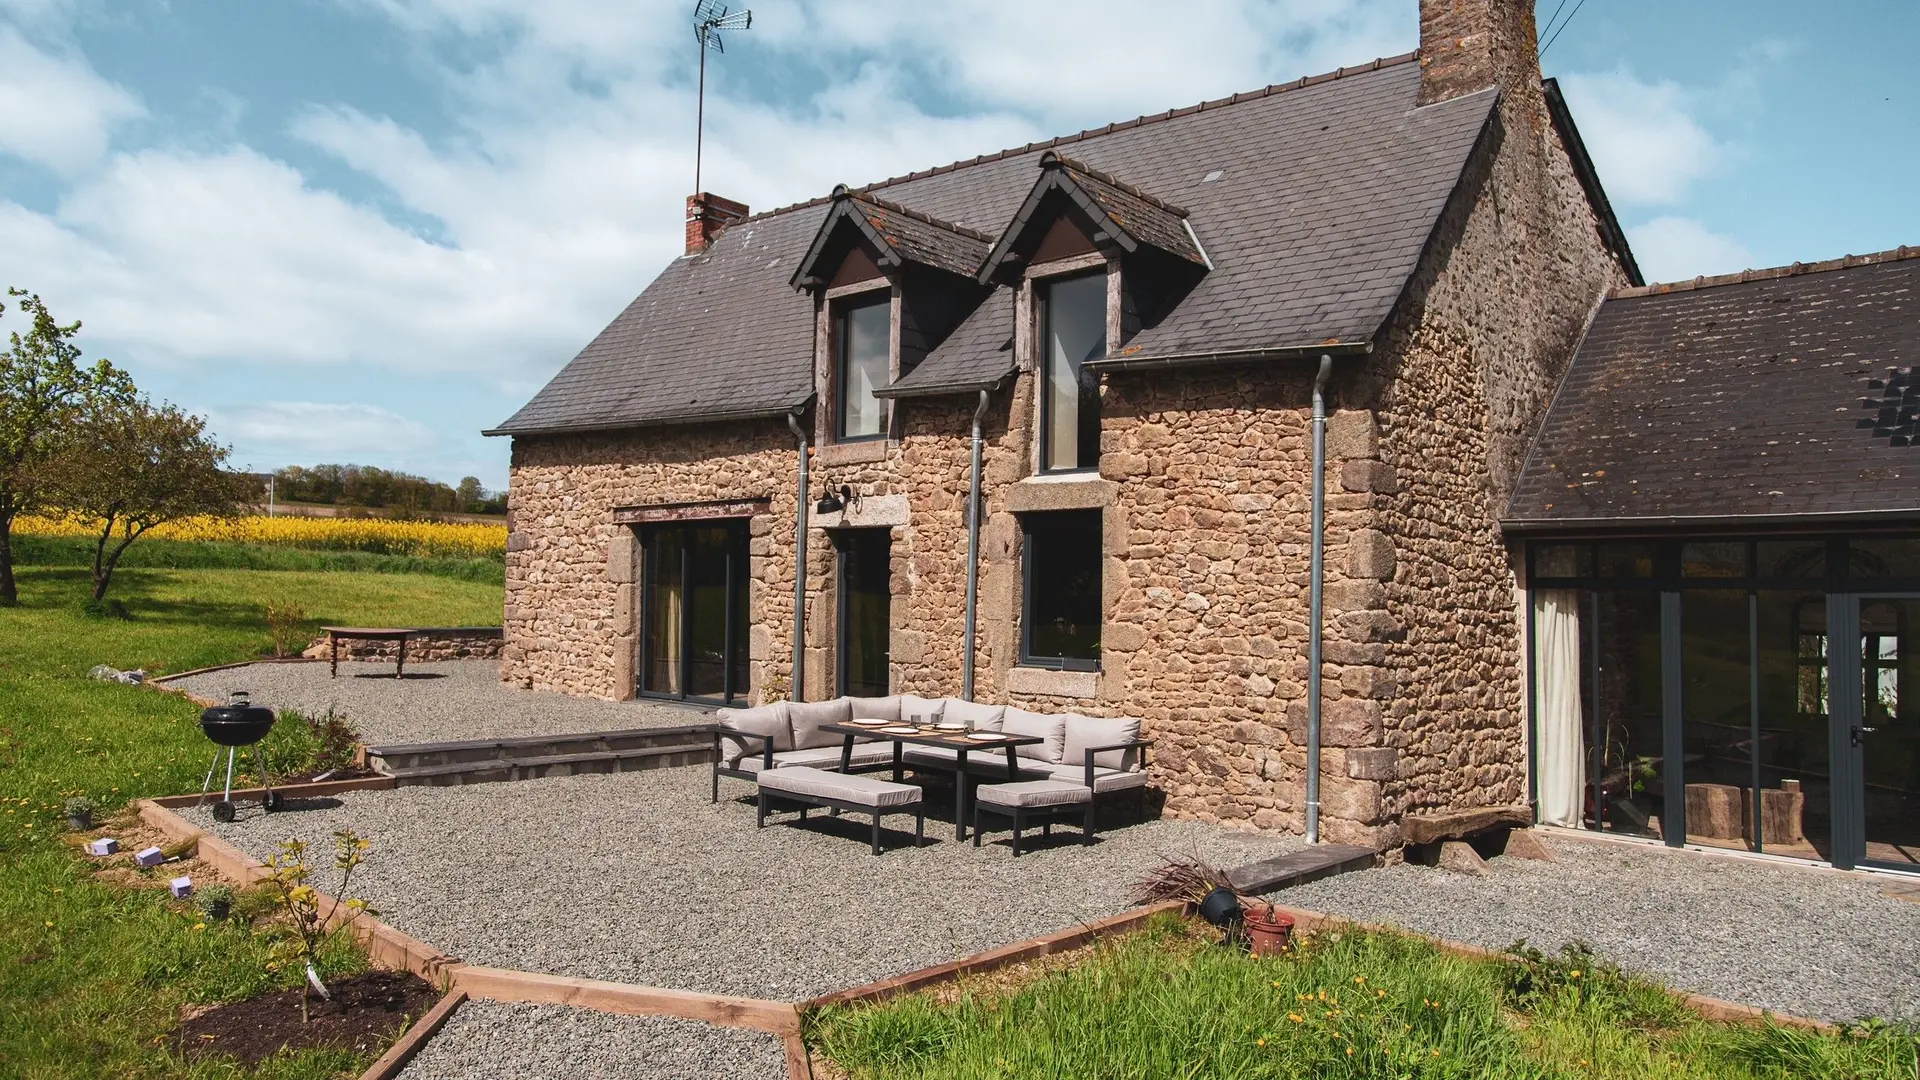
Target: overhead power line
[(1563, 25)]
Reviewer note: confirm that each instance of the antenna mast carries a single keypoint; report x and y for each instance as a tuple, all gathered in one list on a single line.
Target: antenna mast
[(709, 18)]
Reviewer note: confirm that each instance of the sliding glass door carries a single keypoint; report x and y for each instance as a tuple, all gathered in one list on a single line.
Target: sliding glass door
[(1731, 693), (694, 611)]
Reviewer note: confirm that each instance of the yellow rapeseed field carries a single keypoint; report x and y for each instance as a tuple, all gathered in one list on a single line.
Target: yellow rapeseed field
[(377, 535)]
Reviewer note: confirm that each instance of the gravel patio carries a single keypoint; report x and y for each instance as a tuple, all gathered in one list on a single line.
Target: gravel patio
[(436, 702), (636, 877), (496, 1040), (1801, 940)]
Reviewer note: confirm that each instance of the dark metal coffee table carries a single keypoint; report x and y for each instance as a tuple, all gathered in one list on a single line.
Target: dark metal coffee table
[(949, 740)]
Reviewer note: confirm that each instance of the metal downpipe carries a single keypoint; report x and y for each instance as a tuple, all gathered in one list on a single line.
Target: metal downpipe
[(800, 567), (1317, 578), (973, 555)]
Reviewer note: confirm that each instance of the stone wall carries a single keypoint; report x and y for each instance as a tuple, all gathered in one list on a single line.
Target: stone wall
[(570, 617), (427, 645)]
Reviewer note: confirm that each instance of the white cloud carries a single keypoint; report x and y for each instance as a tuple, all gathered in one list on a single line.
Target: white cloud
[(309, 432), (1679, 248), (1645, 142), (56, 111)]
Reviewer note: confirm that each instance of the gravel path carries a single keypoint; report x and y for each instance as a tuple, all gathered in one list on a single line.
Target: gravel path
[(459, 699), (636, 877), (1802, 941), (496, 1040)]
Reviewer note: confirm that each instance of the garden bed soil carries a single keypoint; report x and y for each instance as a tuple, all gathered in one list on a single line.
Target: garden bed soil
[(368, 1011)]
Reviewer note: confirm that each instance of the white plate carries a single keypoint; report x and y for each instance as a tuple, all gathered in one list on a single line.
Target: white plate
[(868, 723), (984, 736), (899, 729), (951, 727)]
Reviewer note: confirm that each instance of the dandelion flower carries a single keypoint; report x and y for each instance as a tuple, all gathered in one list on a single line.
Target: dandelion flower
[(49, 924), (1575, 973), (1359, 979), (1349, 1051), (1259, 1042), (1296, 1018), (199, 926)]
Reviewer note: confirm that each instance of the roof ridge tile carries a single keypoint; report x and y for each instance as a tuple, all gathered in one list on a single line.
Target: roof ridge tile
[(1081, 136), (1796, 269)]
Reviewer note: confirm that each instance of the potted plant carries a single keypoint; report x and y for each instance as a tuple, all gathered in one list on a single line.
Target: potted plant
[(1267, 929), (80, 813), (214, 901)]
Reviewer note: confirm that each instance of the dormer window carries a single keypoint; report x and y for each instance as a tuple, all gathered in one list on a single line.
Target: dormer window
[(862, 334), (1073, 331)]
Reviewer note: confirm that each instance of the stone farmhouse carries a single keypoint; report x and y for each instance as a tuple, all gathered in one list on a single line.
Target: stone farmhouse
[(1224, 418)]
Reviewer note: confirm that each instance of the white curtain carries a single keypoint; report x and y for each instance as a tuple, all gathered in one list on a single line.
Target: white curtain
[(1559, 758)]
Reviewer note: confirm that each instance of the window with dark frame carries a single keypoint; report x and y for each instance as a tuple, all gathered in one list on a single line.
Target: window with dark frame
[(861, 337), (1060, 614), (1073, 330)]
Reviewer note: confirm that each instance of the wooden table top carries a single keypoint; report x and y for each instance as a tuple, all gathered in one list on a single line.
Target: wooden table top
[(955, 740), (368, 631)]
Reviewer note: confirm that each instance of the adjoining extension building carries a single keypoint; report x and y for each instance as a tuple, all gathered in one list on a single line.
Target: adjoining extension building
[(756, 481)]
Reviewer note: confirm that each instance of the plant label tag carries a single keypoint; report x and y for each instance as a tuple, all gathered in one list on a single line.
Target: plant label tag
[(182, 887), (313, 978), (105, 845), (150, 857)]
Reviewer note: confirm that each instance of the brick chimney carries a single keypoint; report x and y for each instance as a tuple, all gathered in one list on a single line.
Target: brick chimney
[(707, 216), (1469, 45)]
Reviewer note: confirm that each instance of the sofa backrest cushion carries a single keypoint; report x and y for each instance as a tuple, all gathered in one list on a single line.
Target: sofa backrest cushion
[(1051, 728), (807, 716), (1086, 731), (915, 709), (770, 719), (876, 708), (981, 717)]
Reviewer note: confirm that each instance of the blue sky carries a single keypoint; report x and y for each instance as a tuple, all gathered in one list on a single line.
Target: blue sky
[(365, 229)]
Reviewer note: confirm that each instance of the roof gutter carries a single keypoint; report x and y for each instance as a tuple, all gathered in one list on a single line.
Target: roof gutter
[(668, 421), (1233, 356), (1675, 521), (939, 389)]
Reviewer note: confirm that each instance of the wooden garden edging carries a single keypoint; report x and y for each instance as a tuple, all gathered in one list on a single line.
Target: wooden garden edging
[(1124, 923), (390, 1063)]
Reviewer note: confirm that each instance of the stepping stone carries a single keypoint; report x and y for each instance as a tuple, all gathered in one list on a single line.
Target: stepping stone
[(1299, 867)]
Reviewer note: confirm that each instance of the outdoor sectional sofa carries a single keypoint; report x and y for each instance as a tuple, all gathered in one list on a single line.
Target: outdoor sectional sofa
[(1104, 754)]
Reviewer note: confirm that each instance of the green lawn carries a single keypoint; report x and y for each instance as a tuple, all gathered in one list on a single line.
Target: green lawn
[(1168, 1003), (92, 974)]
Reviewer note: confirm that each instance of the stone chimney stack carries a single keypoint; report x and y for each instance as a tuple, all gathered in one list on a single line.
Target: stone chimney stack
[(707, 216), (1469, 45)]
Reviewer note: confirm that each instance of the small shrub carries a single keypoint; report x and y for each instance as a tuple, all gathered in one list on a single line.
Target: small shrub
[(286, 625), (108, 608), (308, 929), (78, 807), (1190, 878), (214, 901)]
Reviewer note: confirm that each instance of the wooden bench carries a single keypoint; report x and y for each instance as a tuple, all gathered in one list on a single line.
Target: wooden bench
[(1463, 839), (368, 633)]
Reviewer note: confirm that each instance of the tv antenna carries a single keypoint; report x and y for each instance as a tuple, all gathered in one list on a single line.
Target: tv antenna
[(709, 18)]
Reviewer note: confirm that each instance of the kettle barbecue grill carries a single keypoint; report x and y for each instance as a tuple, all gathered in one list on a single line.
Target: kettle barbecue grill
[(238, 723)]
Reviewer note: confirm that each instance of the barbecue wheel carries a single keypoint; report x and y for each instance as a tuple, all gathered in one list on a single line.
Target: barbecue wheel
[(223, 811), (272, 801)]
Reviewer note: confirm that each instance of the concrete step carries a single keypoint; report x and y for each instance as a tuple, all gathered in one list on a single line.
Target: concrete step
[(1299, 867), (532, 767), (388, 759)]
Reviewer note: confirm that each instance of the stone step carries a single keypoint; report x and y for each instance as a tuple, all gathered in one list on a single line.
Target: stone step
[(1299, 867), (420, 755), (533, 767)]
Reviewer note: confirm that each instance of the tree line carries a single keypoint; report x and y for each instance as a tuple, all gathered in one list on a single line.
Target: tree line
[(80, 439), (381, 489)]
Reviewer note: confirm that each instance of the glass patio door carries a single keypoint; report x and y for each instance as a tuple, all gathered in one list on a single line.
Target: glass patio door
[(866, 623), (694, 611), (1876, 731)]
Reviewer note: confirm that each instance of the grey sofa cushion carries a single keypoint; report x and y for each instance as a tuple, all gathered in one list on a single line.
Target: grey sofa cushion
[(916, 709), (807, 716), (818, 757), (1030, 794), (770, 719), (1052, 728), (846, 787), (981, 717), (1104, 780), (1086, 731), (876, 708)]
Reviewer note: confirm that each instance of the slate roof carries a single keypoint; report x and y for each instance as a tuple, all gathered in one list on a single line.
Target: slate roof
[(976, 355), (1326, 193), (1129, 216), (1789, 393), (899, 234)]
